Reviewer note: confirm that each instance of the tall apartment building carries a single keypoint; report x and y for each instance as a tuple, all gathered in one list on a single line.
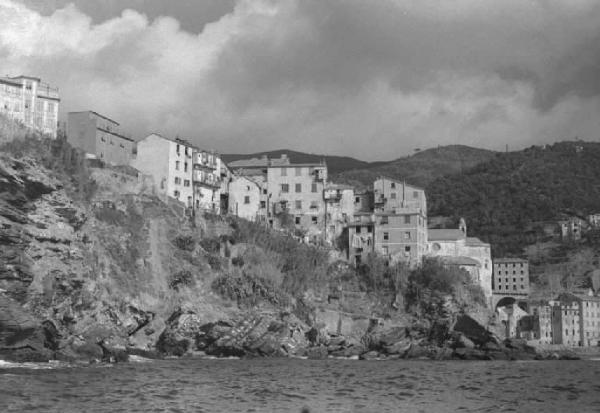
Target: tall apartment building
[(297, 189), (98, 136), (576, 320), (181, 170), (30, 101), (511, 276)]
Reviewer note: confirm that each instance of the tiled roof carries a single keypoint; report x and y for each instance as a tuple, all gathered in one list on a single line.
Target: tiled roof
[(445, 234), (459, 261), (505, 260)]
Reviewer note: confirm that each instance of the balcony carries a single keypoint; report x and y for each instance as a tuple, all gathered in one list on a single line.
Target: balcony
[(204, 178)]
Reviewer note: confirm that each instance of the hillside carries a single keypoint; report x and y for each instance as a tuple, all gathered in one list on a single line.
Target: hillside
[(506, 199), (335, 164), (418, 169)]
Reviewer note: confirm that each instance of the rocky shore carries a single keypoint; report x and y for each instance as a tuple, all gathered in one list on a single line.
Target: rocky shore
[(99, 279)]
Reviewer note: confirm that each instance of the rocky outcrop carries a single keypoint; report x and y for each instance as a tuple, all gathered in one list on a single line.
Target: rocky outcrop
[(267, 334)]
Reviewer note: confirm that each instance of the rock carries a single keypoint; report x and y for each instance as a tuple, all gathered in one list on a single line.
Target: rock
[(370, 355), (317, 353), (474, 331)]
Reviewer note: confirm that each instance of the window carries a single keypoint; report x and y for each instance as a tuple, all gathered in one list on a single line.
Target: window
[(186, 182), (313, 187), (407, 219), (176, 165), (298, 171), (393, 195), (386, 236), (185, 167), (246, 199), (283, 171), (297, 220), (263, 204), (314, 220), (298, 204), (393, 185), (298, 187), (285, 188)]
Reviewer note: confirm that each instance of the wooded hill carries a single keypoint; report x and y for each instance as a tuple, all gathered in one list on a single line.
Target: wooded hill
[(507, 198)]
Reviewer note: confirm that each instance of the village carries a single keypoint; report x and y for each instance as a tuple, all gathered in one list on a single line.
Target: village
[(389, 219)]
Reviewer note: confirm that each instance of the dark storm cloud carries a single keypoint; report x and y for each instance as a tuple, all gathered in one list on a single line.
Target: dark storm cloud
[(366, 78)]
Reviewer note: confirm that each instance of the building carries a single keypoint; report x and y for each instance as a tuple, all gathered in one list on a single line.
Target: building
[(510, 279), (245, 198), (181, 170), (455, 244), (396, 228), (297, 190), (339, 210), (579, 319), (30, 101), (98, 136)]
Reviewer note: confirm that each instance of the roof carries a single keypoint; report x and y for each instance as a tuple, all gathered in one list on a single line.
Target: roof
[(445, 234), (505, 260), (176, 140), (116, 134), (97, 114), (449, 260), (473, 242), (401, 182)]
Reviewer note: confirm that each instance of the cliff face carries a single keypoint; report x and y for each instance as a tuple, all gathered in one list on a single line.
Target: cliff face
[(93, 265)]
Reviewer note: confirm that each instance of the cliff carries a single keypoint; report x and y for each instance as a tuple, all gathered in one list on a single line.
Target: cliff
[(93, 265)]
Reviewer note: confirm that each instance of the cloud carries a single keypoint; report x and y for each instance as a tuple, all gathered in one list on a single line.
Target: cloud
[(368, 79)]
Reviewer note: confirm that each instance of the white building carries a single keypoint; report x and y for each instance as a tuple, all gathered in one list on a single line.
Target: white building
[(30, 101), (181, 170), (454, 243)]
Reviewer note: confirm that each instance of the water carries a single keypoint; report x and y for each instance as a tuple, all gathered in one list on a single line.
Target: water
[(283, 385)]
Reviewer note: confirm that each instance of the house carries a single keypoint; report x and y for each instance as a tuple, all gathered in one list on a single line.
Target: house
[(454, 243), (297, 190), (244, 198), (339, 210), (181, 170), (29, 100), (395, 229), (98, 136), (576, 321)]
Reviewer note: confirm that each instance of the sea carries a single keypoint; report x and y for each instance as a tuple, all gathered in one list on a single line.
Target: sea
[(294, 385)]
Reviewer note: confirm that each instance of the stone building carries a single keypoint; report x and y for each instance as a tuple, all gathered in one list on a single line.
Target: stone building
[(181, 170), (510, 279), (98, 136), (297, 190), (455, 244), (29, 100)]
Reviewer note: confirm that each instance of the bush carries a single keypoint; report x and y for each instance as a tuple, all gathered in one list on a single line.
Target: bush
[(181, 278), (185, 242)]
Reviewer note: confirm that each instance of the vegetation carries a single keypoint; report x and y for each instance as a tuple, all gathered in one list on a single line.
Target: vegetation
[(419, 169), (507, 199)]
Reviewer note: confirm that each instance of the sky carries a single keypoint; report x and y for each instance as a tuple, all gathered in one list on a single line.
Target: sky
[(370, 79)]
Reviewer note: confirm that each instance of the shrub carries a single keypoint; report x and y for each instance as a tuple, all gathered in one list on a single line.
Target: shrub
[(181, 278), (185, 242)]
